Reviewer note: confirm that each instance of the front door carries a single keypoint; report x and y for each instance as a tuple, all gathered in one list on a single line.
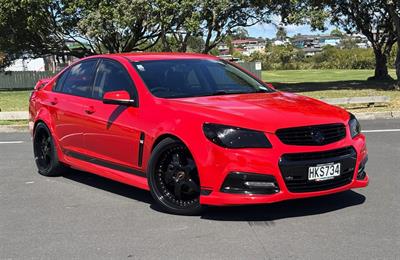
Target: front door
[(112, 133)]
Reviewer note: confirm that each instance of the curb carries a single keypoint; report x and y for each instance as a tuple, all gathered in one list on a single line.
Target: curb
[(377, 115), (14, 115), (13, 128)]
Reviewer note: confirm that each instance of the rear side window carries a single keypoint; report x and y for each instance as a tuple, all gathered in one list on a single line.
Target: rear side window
[(60, 81), (80, 78), (112, 76)]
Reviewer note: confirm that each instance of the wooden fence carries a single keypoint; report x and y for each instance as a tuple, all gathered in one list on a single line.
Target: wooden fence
[(15, 80)]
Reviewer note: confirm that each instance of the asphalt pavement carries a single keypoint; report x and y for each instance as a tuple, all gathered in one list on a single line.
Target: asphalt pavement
[(84, 216)]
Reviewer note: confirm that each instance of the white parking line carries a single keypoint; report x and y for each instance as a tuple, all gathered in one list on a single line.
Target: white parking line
[(381, 131), (12, 142)]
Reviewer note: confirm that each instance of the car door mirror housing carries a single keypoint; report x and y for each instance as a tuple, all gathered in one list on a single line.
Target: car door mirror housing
[(120, 97)]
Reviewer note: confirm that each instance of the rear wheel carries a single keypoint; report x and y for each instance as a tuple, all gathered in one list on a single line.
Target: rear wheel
[(45, 152), (173, 178)]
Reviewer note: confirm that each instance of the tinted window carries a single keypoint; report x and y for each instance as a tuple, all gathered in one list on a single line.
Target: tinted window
[(80, 79), (111, 76), (60, 81), (190, 78)]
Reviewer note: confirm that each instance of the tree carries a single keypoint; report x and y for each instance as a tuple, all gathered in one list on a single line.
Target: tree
[(240, 33), (394, 10), (221, 17), (49, 27), (348, 43), (281, 33), (43, 27), (371, 18), (228, 41), (336, 32)]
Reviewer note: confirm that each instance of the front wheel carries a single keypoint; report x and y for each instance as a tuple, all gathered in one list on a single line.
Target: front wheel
[(173, 178)]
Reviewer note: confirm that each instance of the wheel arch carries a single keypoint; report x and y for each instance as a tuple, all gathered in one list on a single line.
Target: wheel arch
[(43, 116), (162, 137)]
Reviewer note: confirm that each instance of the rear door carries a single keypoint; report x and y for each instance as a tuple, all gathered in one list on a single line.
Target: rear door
[(72, 91), (111, 131)]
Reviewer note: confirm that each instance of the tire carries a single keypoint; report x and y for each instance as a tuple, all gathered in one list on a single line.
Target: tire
[(45, 152), (173, 178)]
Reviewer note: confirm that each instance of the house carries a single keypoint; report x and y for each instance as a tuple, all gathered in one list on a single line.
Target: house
[(315, 41), (52, 63), (244, 46), (25, 64)]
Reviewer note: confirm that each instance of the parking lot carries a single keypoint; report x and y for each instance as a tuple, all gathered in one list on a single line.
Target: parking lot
[(81, 215)]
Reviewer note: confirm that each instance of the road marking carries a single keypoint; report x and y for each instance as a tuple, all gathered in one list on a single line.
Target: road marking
[(12, 142), (381, 131)]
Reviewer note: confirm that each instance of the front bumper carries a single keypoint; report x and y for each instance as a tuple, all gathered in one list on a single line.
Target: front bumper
[(269, 162)]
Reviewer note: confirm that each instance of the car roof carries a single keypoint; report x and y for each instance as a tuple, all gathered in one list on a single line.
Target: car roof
[(144, 56)]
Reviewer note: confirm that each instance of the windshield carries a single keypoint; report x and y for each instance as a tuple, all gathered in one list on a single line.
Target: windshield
[(194, 78)]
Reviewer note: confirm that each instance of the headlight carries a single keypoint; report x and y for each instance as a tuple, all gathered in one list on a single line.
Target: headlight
[(235, 137), (355, 128)]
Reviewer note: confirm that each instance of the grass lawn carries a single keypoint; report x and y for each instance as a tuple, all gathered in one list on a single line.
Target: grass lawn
[(335, 84), (296, 76), (14, 100), (14, 122)]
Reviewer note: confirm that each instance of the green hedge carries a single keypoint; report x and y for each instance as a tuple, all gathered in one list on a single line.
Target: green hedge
[(289, 58)]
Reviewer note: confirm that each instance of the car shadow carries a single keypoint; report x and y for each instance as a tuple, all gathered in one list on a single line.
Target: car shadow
[(264, 214), (115, 187), (286, 209)]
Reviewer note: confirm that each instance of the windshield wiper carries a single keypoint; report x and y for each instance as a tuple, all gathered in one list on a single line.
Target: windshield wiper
[(224, 92)]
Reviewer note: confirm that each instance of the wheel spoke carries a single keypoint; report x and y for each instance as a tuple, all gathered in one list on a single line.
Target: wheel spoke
[(176, 159), (47, 158), (178, 190), (168, 176), (192, 185)]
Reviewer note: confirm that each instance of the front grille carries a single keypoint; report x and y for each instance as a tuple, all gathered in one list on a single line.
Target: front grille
[(294, 169), (342, 152), (312, 135)]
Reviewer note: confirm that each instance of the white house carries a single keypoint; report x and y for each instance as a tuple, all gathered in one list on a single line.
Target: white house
[(27, 65)]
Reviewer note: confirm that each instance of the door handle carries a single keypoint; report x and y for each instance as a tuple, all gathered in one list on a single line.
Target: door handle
[(89, 110), (54, 101)]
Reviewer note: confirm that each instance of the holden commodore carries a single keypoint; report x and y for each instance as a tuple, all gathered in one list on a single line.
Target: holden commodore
[(194, 130)]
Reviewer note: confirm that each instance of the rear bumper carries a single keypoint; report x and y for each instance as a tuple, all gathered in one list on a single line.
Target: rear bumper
[(269, 162)]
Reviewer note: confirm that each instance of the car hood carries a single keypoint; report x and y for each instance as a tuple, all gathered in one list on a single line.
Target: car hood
[(262, 111)]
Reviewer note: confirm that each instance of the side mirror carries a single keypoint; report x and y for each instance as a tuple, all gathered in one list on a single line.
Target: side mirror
[(120, 97)]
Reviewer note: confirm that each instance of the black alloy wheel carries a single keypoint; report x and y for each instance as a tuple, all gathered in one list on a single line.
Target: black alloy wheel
[(45, 152), (173, 178)]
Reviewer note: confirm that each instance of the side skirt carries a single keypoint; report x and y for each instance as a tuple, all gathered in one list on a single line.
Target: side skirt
[(107, 169)]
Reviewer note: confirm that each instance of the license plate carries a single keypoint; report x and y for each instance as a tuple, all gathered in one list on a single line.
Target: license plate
[(323, 172)]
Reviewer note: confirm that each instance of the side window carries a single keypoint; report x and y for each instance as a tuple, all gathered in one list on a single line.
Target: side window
[(111, 76), (60, 81), (80, 79)]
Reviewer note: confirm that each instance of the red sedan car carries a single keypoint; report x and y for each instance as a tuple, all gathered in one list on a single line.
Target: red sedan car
[(194, 130)]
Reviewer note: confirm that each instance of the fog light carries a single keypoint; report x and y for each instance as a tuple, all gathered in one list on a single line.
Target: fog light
[(249, 183), (259, 184)]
